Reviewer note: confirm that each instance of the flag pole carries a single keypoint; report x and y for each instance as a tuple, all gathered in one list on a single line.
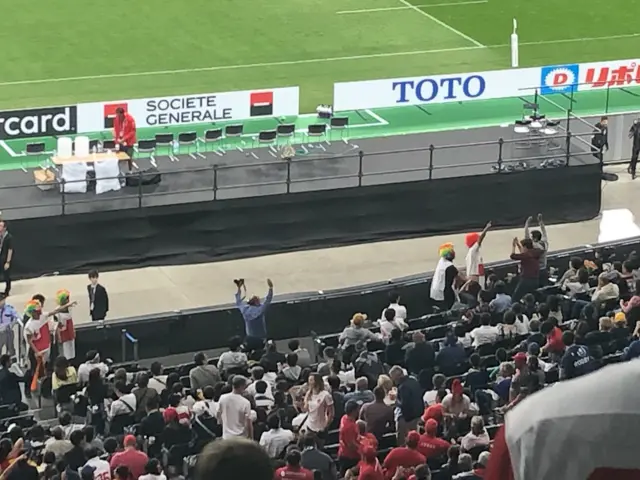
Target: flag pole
[(514, 45)]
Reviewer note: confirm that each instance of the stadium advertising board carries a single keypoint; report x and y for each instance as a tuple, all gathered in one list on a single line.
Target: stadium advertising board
[(434, 89), (188, 109), (589, 76), (38, 122)]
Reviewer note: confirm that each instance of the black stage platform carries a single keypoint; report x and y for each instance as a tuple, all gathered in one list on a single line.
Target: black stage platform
[(334, 198)]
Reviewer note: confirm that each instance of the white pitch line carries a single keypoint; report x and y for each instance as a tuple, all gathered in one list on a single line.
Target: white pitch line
[(8, 149), (388, 9), (310, 60), (378, 118), (443, 24)]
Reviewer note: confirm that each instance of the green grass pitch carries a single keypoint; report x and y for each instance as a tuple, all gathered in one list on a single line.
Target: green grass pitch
[(69, 51)]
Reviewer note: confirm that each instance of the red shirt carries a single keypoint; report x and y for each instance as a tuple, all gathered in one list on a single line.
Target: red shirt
[(402, 457), (132, 458), (348, 435), (370, 471), (368, 440), (434, 411), (554, 341), (125, 130), (432, 446), (293, 473)]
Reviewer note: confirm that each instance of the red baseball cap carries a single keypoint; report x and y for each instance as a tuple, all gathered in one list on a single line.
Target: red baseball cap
[(129, 441)]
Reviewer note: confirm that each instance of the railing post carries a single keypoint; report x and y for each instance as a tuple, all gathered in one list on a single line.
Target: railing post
[(500, 152), (288, 175), (360, 174), (606, 105), (215, 181), (568, 147), (123, 341), (63, 197), (135, 350), (431, 150), (139, 188)]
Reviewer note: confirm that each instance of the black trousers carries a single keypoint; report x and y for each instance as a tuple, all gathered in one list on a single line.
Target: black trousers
[(129, 151), (525, 285), (634, 159), (6, 277)]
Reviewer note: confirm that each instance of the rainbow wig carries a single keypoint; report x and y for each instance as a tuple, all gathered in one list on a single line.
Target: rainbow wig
[(470, 239), (446, 250), (32, 307), (62, 297)]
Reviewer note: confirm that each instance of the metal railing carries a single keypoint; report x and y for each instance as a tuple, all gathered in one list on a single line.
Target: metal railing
[(602, 96), (128, 338), (357, 169)]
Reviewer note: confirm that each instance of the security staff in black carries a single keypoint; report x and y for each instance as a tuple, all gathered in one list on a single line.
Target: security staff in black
[(634, 135), (600, 139)]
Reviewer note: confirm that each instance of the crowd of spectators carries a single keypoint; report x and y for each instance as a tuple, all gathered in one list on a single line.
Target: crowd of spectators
[(393, 398)]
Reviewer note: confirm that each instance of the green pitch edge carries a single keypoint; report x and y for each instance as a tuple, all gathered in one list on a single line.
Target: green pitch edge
[(391, 121)]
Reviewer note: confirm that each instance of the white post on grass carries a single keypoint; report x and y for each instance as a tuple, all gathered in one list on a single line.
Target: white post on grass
[(514, 45)]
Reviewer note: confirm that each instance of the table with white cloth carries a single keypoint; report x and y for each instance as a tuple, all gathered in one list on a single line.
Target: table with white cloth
[(74, 171)]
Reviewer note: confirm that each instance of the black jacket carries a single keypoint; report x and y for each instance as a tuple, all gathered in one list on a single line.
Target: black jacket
[(9, 388), (100, 302)]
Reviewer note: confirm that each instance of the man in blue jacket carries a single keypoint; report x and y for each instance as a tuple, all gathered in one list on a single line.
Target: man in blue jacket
[(254, 314), (8, 318)]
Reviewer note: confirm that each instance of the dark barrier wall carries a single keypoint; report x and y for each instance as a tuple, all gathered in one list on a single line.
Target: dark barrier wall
[(228, 229), (292, 316)]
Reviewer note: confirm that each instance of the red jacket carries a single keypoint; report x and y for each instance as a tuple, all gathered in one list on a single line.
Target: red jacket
[(124, 132), (402, 457)]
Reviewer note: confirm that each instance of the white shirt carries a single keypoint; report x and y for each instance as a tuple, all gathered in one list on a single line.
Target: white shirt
[(429, 397), (318, 405), (159, 383), (475, 264), (251, 389), (438, 280), (387, 327), (205, 406), (102, 470), (484, 334), (275, 441), (522, 326), (151, 476), (118, 407), (85, 369), (401, 311), (233, 411)]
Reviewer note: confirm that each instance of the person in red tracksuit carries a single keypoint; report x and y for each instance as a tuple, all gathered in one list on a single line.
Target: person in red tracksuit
[(124, 133)]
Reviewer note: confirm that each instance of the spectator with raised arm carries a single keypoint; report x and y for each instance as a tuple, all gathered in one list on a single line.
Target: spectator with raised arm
[(8, 318), (529, 258), (473, 260), (540, 242), (253, 312)]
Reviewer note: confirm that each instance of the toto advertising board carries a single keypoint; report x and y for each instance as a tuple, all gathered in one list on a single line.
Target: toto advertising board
[(435, 89), (189, 109), (38, 122)]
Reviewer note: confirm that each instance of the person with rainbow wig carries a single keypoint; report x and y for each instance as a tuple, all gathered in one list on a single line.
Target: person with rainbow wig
[(37, 334), (446, 276), (65, 331), (473, 260)]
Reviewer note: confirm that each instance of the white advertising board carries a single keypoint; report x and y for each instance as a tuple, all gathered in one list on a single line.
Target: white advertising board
[(188, 109), (397, 92), (590, 76)]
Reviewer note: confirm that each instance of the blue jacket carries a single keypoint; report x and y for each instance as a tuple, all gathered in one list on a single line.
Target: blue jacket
[(255, 324), (8, 316)]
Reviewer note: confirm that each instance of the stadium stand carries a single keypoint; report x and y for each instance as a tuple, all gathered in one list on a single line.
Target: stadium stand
[(424, 394)]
